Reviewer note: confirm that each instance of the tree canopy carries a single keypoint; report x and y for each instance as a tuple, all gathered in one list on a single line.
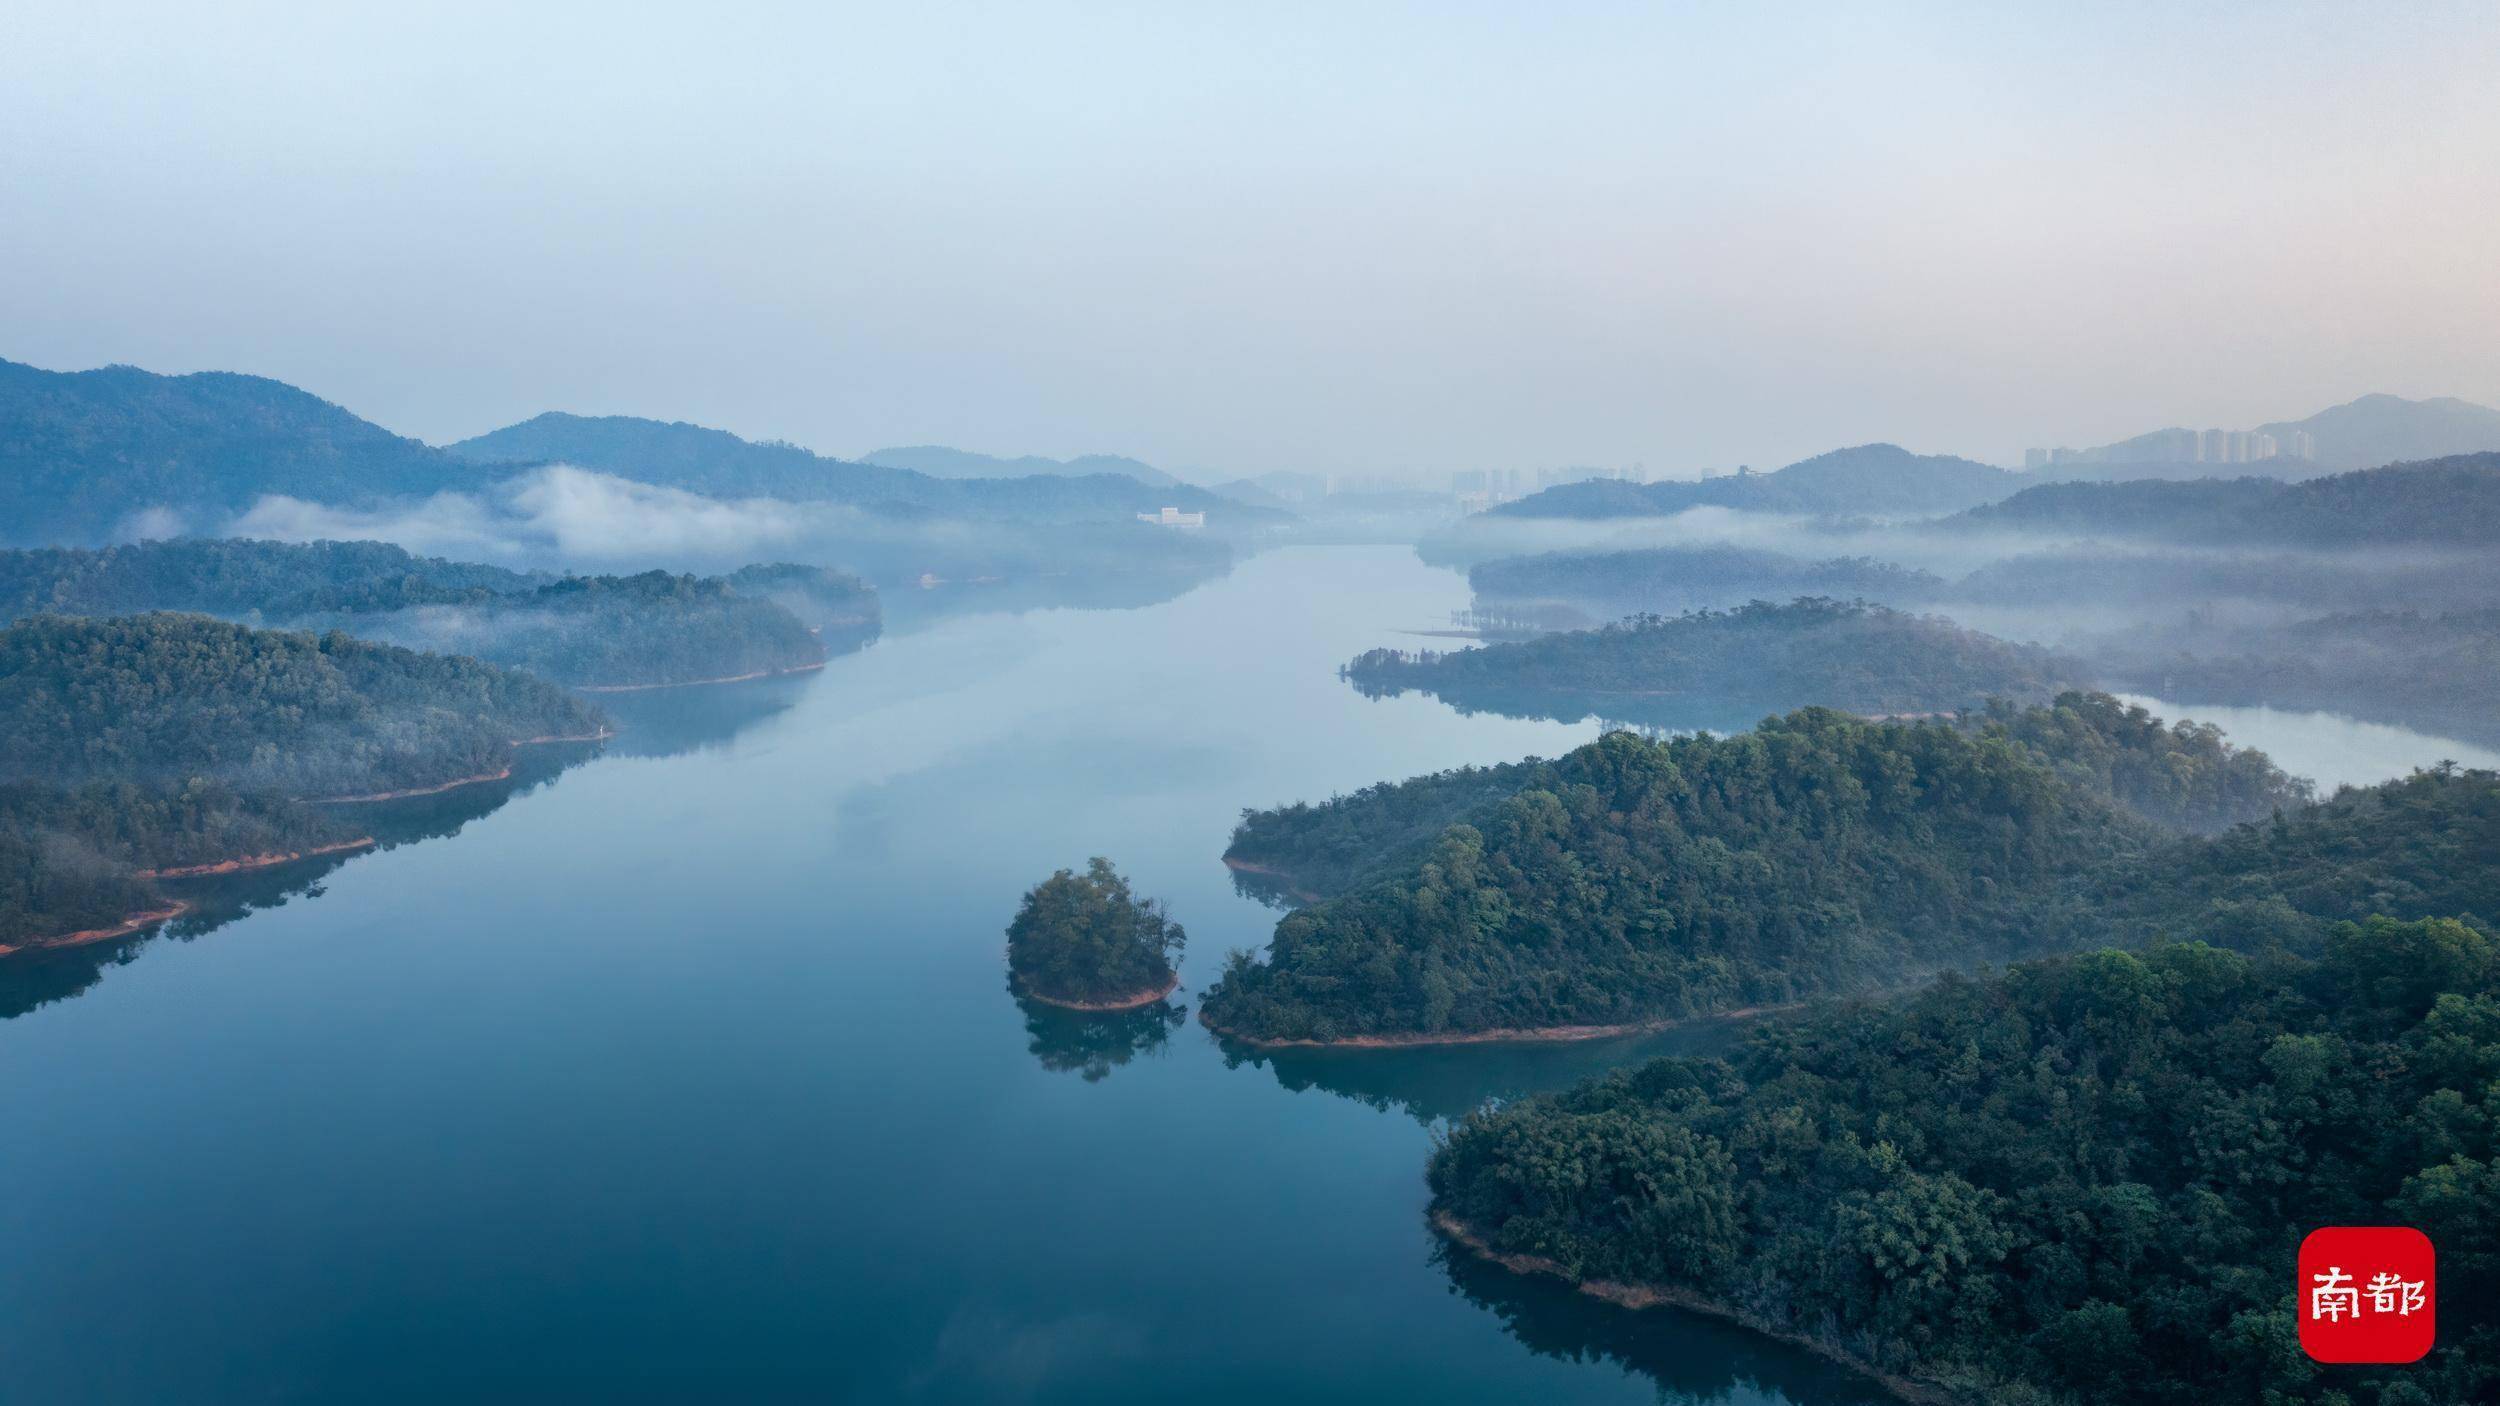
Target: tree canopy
[(2083, 1180), (1085, 939)]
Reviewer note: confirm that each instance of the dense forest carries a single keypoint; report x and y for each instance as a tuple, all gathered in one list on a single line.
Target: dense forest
[(2084, 1180), (1661, 880), (602, 631), (1632, 881), (834, 603), (1086, 940), (1759, 657), (580, 630), (69, 855), (2445, 502), (173, 697), (2183, 776), (254, 580)]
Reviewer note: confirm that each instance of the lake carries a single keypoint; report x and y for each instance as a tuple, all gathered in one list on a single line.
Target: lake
[(690, 1072)]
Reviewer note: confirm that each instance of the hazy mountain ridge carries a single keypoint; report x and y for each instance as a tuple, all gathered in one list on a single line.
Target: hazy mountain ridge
[(1882, 479), (945, 461), (84, 455), (716, 463)]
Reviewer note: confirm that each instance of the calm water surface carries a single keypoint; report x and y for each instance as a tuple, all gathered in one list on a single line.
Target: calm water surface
[(690, 1072)]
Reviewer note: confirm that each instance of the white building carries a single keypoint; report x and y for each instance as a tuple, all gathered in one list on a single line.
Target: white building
[(1174, 517)]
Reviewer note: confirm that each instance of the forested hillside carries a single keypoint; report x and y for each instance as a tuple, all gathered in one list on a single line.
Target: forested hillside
[(2085, 1180), (83, 454), (235, 577), (173, 697), (1755, 658), (2183, 776), (2439, 502), (1659, 880), (600, 631), (68, 855), (654, 628)]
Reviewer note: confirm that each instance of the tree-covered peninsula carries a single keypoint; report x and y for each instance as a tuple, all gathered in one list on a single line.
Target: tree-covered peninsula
[(2083, 1181), (1659, 880), (2182, 775), (86, 859), (1758, 657), (647, 630), (134, 749), (173, 697), (1085, 941), (1634, 882)]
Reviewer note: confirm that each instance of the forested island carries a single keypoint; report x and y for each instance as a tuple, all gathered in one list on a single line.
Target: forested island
[(1755, 658), (2083, 1180), (144, 747), (1633, 882), (1086, 942)]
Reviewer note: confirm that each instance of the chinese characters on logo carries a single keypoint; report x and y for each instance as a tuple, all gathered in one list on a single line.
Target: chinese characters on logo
[(2367, 1294)]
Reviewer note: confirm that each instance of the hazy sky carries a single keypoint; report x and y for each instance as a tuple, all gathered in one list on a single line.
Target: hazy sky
[(1271, 235)]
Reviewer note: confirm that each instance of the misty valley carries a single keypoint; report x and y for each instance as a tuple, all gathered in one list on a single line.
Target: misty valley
[(1824, 914)]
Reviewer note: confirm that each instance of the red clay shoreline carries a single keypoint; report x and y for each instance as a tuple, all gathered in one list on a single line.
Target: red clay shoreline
[(1641, 1296), (451, 785), (254, 861), (699, 683), (134, 923), (1548, 1034), (1121, 1003)]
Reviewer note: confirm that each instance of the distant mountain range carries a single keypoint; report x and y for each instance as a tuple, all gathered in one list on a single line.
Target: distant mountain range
[(94, 456), (719, 464), (2361, 434), (1872, 478), (88, 455), (939, 461)]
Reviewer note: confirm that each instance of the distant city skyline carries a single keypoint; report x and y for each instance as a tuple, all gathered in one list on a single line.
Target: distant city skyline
[(1395, 240)]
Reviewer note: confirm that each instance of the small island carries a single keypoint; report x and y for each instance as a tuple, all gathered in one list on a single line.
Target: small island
[(1084, 942)]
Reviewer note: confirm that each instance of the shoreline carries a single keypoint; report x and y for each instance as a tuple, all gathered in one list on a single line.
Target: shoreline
[(1535, 1035), (254, 861), (1643, 1296), (1244, 866), (132, 924), (696, 683), (503, 775), (1123, 1003), (601, 735)]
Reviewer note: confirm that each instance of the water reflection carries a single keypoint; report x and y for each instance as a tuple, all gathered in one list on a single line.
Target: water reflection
[(1435, 1083), (1649, 714), (1690, 1358), (1091, 1044), (909, 608), (32, 980), (670, 722)]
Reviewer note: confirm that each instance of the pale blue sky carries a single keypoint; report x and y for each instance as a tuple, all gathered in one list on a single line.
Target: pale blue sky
[(1272, 235)]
